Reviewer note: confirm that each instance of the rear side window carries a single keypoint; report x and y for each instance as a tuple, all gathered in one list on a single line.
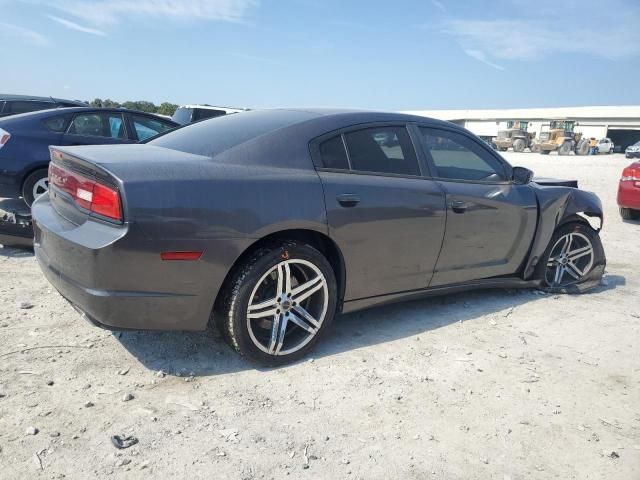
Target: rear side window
[(108, 125), (333, 154), (146, 127), (55, 124), (27, 106), (382, 150)]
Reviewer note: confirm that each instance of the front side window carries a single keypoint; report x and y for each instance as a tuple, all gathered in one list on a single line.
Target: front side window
[(108, 125), (457, 157), (382, 150), (146, 127)]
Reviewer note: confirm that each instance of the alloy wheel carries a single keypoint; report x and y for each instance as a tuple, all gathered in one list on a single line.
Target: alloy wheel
[(40, 187), (287, 307), (571, 258)]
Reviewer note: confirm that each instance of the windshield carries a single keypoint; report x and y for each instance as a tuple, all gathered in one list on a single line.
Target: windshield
[(214, 136)]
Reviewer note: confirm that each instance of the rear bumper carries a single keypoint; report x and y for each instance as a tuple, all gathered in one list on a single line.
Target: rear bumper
[(632, 154), (629, 195), (116, 278)]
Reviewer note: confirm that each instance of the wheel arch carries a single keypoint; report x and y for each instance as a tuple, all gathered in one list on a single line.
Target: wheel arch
[(558, 206), (33, 169), (320, 241)]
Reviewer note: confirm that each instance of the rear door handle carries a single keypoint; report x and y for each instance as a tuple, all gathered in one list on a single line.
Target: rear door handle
[(348, 199), (459, 206)]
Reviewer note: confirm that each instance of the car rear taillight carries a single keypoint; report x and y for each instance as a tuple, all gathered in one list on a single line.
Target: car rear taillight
[(4, 137), (631, 174), (86, 193)]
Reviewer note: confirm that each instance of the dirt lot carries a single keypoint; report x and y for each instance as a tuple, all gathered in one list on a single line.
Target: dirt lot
[(500, 385)]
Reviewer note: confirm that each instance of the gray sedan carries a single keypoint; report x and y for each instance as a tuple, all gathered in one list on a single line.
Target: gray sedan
[(269, 223)]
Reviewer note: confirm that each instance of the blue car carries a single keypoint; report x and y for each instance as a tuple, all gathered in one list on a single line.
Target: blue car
[(25, 140)]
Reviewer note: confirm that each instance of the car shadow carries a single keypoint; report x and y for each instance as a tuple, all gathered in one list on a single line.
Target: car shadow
[(16, 252), (206, 353)]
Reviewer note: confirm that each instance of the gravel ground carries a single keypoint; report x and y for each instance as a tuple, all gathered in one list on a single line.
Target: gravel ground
[(490, 384)]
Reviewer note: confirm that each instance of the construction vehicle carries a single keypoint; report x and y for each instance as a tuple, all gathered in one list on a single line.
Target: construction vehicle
[(515, 136), (561, 138)]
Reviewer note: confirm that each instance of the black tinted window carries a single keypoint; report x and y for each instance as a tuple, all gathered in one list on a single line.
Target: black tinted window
[(98, 125), (456, 156), (27, 106), (55, 124), (333, 154), (202, 113), (214, 136), (383, 150)]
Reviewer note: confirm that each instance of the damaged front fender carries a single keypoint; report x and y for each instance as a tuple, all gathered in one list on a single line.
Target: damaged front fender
[(557, 206)]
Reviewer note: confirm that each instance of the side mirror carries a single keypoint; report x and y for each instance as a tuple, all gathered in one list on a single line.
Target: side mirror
[(521, 175)]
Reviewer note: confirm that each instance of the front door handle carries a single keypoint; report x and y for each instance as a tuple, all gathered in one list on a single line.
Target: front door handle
[(348, 199), (459, 206)]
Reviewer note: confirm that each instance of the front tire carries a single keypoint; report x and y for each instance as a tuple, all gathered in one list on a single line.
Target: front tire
[(279, 304), (518, 145), (629, 214), (574, 260), (34, 185), (565, 148)]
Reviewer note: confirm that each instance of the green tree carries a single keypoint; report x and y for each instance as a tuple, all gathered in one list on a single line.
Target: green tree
[(167, 108), (108, 103), (96, 103)]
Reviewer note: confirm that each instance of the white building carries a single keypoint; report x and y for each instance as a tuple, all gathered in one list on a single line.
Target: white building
[(619, 123)]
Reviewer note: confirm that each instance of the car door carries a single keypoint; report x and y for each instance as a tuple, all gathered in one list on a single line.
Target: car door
[(96, 128), (387, 220), (490, 220)]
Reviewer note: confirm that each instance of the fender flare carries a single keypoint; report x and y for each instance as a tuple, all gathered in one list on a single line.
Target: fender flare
[(558, 206)]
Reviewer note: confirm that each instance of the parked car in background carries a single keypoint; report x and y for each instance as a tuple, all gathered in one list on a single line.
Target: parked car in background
[(605, 145), (25, 140), (193, 113), (16, 104), (271, 222), (633, 151), (629, 192)]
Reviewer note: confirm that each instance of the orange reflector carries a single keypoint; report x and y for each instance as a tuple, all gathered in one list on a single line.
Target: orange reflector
[(189, 256)]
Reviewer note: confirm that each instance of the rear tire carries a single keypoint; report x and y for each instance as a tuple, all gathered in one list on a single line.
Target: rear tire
[(518, 145), (574, 260), (272, 320), (583, 147), (544, 152), (35, 185), (629, 214)]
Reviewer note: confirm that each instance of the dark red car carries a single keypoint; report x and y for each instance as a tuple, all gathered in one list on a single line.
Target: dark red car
[(629, 192)]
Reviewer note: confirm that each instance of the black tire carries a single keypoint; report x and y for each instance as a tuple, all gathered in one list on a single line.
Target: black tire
[(518, 145), (629, 214), (564, 149), (231, 310), (591, 275), (544, 152), (583, 147), (29, 184)]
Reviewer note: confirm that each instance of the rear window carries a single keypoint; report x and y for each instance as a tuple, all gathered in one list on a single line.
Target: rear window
[(202, 113), (182, 115), (214, 136)]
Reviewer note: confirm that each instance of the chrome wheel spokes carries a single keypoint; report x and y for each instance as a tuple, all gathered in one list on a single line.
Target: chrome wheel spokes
[(40, 187), (570, 260), (287, 307)]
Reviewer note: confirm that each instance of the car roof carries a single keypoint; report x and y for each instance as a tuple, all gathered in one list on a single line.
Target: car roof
[(204, 106), (31, 98), (65, 110)]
